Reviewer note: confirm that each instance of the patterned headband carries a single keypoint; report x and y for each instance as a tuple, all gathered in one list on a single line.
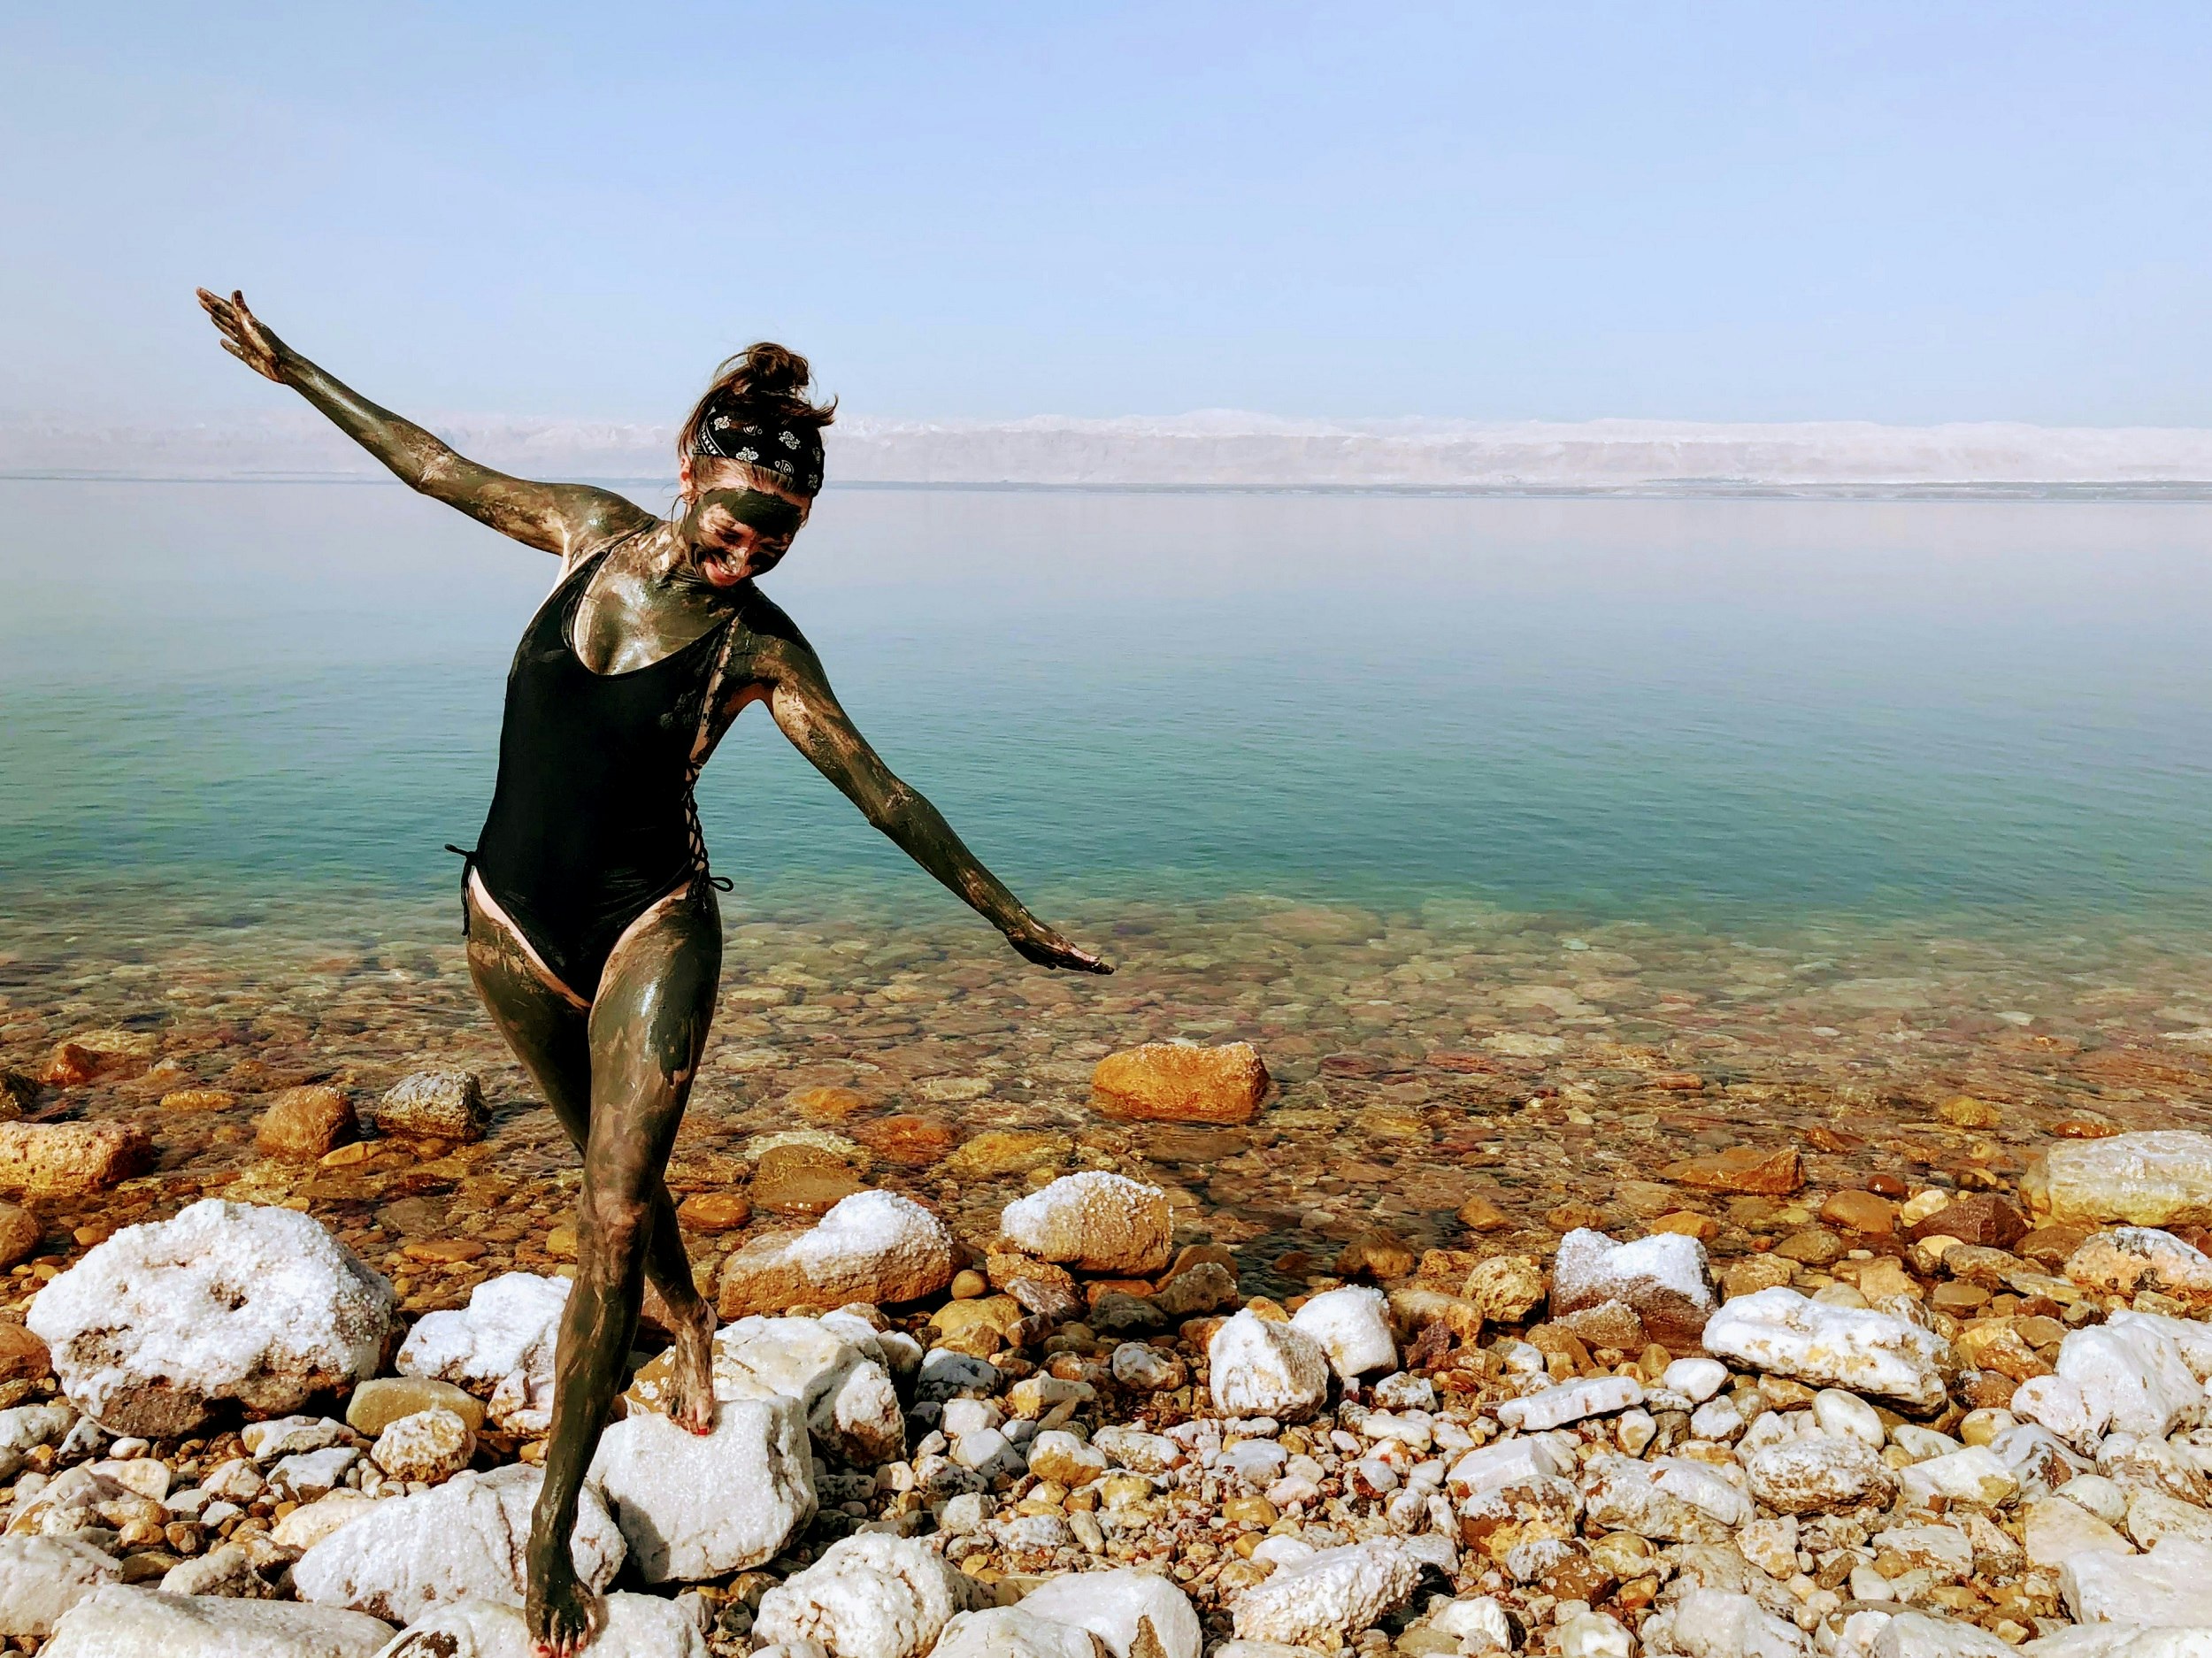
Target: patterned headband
[(756, 435)]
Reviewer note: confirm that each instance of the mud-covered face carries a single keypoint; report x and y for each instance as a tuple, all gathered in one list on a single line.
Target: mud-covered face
[(740, 531)]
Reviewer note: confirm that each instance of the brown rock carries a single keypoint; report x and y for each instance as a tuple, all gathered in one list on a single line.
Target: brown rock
[(18, 1235), (1676, 1081), (911, 1140), (1415, 1310), (2085, 1127), (1381, 1256), (1742, 1169), (1986, 1390), (378, 1404), (70, 1159), (1861, 1212), (1608, 1325), (441, 1103), (1566, 1217), (1479, 1214), (1888, 1185), (2049, 1246), (23, 1357), (1753, 1274), (70, 1066), (305, 1122), (1689, 1222), (1004, 1151), (1505, 1289), (1815, 1246), (185, 1100), (1005, 1268), (1821, 1137), (826, 1105), (1994, 1344), (1197, 1255), (801, 1179), (1980, 1218), (18, 1092), (1167, 1082), (444, 1251), (714, 1211)]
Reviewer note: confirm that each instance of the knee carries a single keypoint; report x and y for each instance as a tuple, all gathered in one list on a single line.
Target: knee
[(616, 1225)]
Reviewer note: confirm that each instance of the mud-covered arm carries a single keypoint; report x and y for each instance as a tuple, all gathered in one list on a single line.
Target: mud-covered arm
[(808, 712), (560, 519)]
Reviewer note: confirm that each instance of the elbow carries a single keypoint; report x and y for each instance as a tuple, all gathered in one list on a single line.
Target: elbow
[(892, 810)]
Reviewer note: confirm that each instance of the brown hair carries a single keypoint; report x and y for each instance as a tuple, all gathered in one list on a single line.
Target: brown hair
[(774, 379)]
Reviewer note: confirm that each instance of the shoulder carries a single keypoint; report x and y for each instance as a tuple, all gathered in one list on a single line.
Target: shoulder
[(773, 648)]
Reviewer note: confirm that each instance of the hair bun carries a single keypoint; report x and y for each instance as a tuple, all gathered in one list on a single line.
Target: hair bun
[(771, 370)]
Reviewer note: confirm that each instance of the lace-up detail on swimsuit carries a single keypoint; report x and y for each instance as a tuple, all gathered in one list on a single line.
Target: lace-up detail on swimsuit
[(593, 819)]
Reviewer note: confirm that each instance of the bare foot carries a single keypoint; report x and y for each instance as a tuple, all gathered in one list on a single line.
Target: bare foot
[(564, 1617), (691, 1384)]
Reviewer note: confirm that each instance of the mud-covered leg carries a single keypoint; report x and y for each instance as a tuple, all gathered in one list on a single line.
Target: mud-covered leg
[(550, 1035), (647, 1027)]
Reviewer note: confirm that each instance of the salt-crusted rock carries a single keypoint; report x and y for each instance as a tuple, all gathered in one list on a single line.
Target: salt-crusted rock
[(430, 1445), (121, 1623), (1065, 1460), (637, 1626), (1720, 1624), (2169, 1587), (2064, 1407), (833, 1368), (309, 1524), (1914, 1634), (691, 1507), (1571, 1401), (1112, 1605), (2132, 1376), (41, 1578), (872, 1247), (70, 1159), (1146, 1368), (443, 1102), (1353, 1326), (869, 1596), (2153, 1516), (2054, 1530), (311, 1474), (2126, 1259), (1262, 1369), (1817, 1472), (1330, 1595), (499, 1348), (1008, 1631), (1697, 1380), (156, 1326), (1663, 1278), (464, 1539), (1170, 1082), (292, 1436), (1669, 1498), (1134, 1449), (1839, 1412), (2115, 1640), (2192, 1337), (2146, 1180), (1096, 1222), (1477, 1622), (1854, 1348), (1505, 1289), (23, 1428), (1970, 1475)]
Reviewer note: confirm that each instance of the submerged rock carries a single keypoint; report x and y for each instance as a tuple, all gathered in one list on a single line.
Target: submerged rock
[(70, 1159), (2156, 1179), (159, 1324), (1170, 1082)]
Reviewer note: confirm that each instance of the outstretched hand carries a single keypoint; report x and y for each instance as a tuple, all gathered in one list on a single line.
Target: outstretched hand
[(243, 336), (1039, 943)]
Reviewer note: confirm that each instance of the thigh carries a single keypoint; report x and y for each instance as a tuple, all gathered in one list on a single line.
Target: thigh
[(648, 1028), (547, 1031)]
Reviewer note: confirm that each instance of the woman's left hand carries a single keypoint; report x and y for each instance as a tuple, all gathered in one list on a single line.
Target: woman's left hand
[(1039, 943)]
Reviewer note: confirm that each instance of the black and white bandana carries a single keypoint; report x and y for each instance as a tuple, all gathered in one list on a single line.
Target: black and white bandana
[(756, 436)]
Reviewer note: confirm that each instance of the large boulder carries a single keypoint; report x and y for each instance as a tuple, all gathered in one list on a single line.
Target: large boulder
[(463, 1540), (869, 1596), (2156, 1179), (1094, 1222), (1662, 1278), (154, 1329), (122, 1623), (872, 1247), (836, 1371), (1171, 1082), (1323, 1598), (1854, 1348), (499, 1348), (691, 1507), (1115, 1605), (2131, 1377), (1257, 1368), (2169, 1587), (637, 1626), (41, 1578)]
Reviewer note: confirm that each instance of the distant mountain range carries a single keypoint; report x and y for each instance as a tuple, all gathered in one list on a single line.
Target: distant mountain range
[(1223, 448)]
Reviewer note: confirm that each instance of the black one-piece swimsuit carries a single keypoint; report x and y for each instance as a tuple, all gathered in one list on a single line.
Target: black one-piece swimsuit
[(592, 819)]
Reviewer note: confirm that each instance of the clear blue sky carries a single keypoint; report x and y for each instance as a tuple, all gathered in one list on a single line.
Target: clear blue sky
[(1907, 212)]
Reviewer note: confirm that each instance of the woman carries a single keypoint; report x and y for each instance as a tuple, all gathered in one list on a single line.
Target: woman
[(594, 937)]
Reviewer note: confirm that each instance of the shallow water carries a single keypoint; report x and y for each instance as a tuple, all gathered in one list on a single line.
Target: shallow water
[(1476, 815)]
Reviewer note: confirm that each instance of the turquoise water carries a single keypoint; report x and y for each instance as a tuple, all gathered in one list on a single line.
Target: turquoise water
[(1741, 715)]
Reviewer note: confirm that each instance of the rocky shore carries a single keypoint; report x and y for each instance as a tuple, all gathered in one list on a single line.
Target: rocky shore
[(1451, 1310)]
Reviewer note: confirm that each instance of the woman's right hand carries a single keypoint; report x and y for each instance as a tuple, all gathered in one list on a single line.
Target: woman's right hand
[(243, 336)]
